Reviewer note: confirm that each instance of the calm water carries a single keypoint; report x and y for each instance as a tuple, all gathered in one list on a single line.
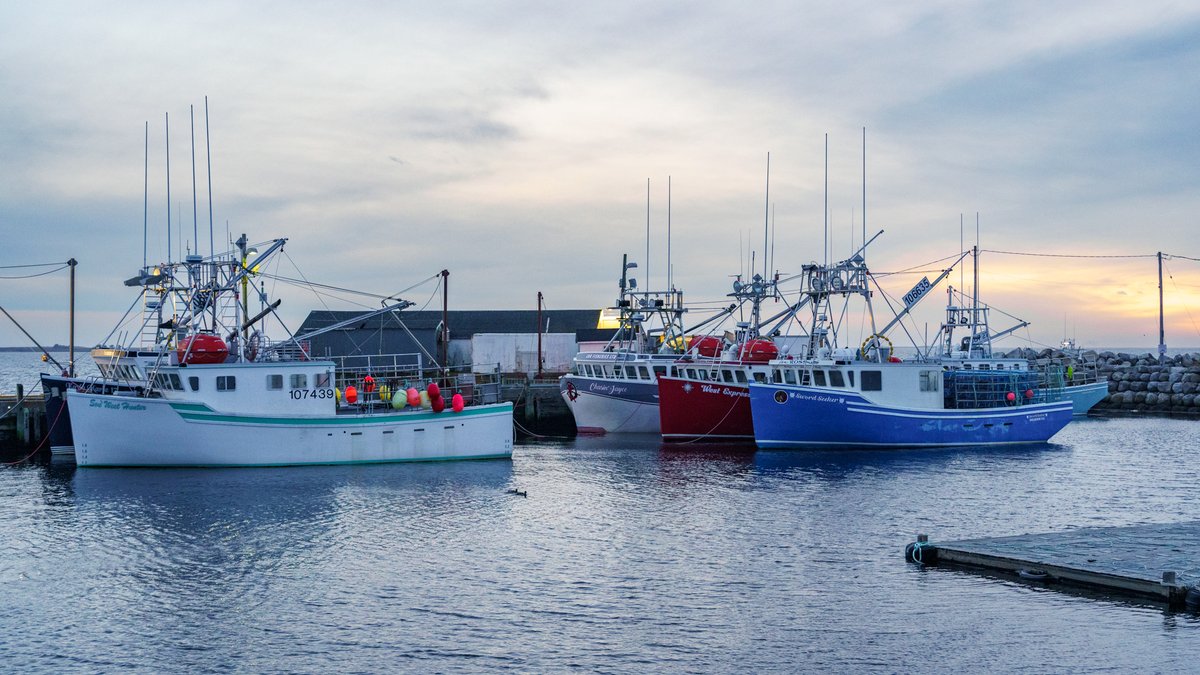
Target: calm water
[(624, 557)]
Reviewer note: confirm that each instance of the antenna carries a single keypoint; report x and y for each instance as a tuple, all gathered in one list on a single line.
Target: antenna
[(975, 265), (864, 205), (766, 215), (208, 158), (167, 117), (961, 247), (772, 262), (646, 274), (670, 281), (195, 231), (825, 249), (146, 199)]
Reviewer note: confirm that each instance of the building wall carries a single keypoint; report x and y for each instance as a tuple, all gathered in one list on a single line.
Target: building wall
[(517, 352)]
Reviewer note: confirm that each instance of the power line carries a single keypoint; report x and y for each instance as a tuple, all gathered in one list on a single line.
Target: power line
[(1067, 255)]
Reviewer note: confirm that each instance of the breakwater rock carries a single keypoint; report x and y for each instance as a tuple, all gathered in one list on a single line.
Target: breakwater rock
[(1137, 383)]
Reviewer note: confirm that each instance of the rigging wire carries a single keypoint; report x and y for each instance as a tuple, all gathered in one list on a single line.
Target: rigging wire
[(39, 274)]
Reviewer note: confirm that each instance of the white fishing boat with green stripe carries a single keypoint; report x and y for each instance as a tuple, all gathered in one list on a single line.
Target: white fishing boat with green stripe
[(246, 415), (213, 390)]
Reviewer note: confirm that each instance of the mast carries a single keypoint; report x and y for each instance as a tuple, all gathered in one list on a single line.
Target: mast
[(167, 117), (766, 222), (146, 198), (445, 323), (208, 159), (825, 246), (670, 281), (71, 331), (864, 204), (195, 232), (647, 275)]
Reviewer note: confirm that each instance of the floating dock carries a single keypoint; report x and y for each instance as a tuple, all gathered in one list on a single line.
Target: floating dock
[(1156, 562)]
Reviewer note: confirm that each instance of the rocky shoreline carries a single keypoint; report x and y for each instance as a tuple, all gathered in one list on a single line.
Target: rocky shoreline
[(1137, 383)]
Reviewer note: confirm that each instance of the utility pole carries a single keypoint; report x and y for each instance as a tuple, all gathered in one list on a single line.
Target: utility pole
[(540, 360), (1162, 343)]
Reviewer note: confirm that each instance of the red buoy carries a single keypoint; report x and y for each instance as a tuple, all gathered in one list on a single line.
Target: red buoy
[(413, 397), (351, 394), (369, 384), (438, 403), (1028, 393), (707, 345), (759, 351), (1010, 397), (202, 348), (434, 390)]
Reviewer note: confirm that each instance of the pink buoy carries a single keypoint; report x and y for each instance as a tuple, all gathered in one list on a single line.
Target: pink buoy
[(456, 403), (434, 390), (414, 397), (438, 403), (351, 394), (1010, 397), (1028, 393)]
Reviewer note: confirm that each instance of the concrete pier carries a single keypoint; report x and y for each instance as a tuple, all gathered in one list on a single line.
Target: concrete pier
[(1137, 383), (1154, 562)]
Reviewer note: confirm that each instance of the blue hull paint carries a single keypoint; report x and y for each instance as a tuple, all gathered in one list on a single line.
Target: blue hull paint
[(812, 417)]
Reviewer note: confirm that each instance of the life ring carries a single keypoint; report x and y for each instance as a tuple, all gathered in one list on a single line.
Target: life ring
[(872, 342)]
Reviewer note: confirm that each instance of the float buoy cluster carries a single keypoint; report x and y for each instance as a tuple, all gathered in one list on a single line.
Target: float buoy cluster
[(430, 398)]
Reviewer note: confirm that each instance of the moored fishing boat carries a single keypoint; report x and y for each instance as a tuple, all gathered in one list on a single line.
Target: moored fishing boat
[(706, 395), (215, 393), (833, 396), (615, 390)]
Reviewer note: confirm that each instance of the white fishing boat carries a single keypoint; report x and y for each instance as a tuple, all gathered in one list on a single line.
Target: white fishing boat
[(214, 392)]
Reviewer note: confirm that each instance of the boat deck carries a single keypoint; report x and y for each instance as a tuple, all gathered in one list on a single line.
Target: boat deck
[(1159, 562)]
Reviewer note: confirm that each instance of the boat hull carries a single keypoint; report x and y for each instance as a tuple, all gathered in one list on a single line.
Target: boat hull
[(608, 406), (58, 413), (1084, 396), (797, 417), (690, 410), (131, 431)]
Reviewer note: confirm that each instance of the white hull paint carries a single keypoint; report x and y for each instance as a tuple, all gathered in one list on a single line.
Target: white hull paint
[(127, 431), (613, 415)]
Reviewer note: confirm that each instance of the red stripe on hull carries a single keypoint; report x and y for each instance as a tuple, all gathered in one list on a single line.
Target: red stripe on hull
[(689, 409)]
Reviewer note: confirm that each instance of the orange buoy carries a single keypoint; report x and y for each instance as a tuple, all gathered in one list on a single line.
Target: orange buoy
[(351, 394), (456, 403), (413, 397)]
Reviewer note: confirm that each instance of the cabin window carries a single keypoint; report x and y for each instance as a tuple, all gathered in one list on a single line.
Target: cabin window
[(274, 382), (819, 378), (789, 376), (298, 381), (761, 377), (659, 370), (321, 380), (691, 373), (741, 376), (644, 373), (194, 383), (226, 383), (836, 379), (984, 366), (930, 380), (176, 382), (872, 380), (727, 375), (631, 373), (134, 373), (999, 366), (850, 378), (776, 376)]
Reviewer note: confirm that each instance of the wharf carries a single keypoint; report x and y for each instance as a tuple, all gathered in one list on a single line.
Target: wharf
[(22, 418), (1156, 562)]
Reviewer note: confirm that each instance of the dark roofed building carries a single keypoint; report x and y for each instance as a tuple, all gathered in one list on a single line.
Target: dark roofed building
[(408, 332)]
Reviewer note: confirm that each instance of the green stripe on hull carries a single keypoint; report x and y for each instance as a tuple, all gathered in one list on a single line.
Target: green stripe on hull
[(457, 458), (338, 420)]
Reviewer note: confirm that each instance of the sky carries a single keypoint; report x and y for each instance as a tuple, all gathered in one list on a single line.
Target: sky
[(511, 143)]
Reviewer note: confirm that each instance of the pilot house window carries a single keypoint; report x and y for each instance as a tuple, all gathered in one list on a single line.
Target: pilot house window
[(226, 383)]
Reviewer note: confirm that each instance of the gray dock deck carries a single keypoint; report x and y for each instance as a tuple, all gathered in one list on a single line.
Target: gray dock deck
[(1160, 562)]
